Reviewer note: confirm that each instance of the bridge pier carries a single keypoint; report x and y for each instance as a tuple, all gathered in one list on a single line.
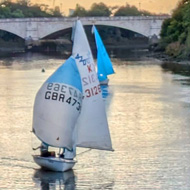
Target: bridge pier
[(153, 41), (30, 43)]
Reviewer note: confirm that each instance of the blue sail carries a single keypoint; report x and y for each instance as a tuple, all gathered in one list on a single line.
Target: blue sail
[(67, 73), (57, 106), (104, 64)]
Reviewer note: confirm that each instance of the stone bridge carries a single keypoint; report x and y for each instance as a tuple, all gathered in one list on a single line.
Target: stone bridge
[(38, 28)]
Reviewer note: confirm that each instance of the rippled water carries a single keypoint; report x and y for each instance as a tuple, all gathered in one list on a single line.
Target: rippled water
[(148, 112)]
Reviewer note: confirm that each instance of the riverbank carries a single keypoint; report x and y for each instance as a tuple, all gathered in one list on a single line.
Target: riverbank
[(168, 63), (175, 65), (120, 52)]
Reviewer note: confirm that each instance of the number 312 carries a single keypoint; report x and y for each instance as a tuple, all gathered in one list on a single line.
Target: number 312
[(93, 91)]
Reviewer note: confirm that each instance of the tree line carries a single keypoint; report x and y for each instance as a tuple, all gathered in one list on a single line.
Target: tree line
[(175, 32), (21, 9), (100, 9)]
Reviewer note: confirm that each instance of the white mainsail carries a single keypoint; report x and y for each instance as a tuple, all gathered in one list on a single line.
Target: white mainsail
[(92, 126), (57, 106)]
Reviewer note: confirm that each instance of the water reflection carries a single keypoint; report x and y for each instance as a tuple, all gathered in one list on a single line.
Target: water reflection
[(105, 90), (148, 114), (181, 69), (183, 81), (6, 63), (54, 180), (129, 54), (30, 61), (177, 68)]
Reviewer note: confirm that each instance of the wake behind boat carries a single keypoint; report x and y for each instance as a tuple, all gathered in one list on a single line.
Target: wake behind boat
[(66, 105)]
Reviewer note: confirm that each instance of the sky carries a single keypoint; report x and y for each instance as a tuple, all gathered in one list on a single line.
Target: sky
[(154, 6)]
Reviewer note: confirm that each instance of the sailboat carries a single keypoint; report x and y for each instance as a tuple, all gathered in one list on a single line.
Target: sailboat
[(69, 110), (104, 64)]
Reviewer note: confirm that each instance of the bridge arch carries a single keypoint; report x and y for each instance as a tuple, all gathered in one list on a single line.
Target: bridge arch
[(115, 26), (16, 33), (14, 26), (127, 28), (47, 30), (38, 28)]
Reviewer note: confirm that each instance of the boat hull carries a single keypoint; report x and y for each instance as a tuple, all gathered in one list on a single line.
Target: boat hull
[(54, 163)]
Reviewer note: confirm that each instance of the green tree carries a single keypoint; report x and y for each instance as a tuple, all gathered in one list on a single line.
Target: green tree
[(99, 9), (176, 30), (17, 14), (21, 9), (5, 12), (55, 12), (129, 10), (79, 11)]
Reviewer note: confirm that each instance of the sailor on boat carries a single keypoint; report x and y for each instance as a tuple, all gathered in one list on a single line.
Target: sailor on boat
[(44, 150), (68, 154)]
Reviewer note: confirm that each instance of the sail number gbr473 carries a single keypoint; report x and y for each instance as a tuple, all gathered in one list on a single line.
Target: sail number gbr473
[(63, 93)]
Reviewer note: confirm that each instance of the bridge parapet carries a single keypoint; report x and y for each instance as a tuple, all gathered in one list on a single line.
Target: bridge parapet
[(72, 19)]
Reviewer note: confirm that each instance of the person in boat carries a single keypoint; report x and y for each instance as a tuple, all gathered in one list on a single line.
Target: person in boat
[(44, 150), (62, 154), (68, 154)]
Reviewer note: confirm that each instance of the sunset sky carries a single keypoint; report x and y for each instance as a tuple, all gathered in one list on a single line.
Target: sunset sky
[(155, 6)]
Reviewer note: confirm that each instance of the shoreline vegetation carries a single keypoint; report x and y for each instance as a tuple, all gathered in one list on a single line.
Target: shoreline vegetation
[(169, 63), (173, 48), (175, 33)]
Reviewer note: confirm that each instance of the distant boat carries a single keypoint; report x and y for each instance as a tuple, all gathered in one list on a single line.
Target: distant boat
[(69, 110), (104, 64)]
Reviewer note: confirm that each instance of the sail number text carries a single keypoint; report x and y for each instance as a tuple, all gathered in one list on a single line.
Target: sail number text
[(92, 91), (63, 93)]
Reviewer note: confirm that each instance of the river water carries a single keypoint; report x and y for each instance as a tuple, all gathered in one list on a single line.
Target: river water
[(148, 111)]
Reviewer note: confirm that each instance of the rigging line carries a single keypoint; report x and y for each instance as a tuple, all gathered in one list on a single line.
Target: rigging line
[(31, 140), (84, 152)]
